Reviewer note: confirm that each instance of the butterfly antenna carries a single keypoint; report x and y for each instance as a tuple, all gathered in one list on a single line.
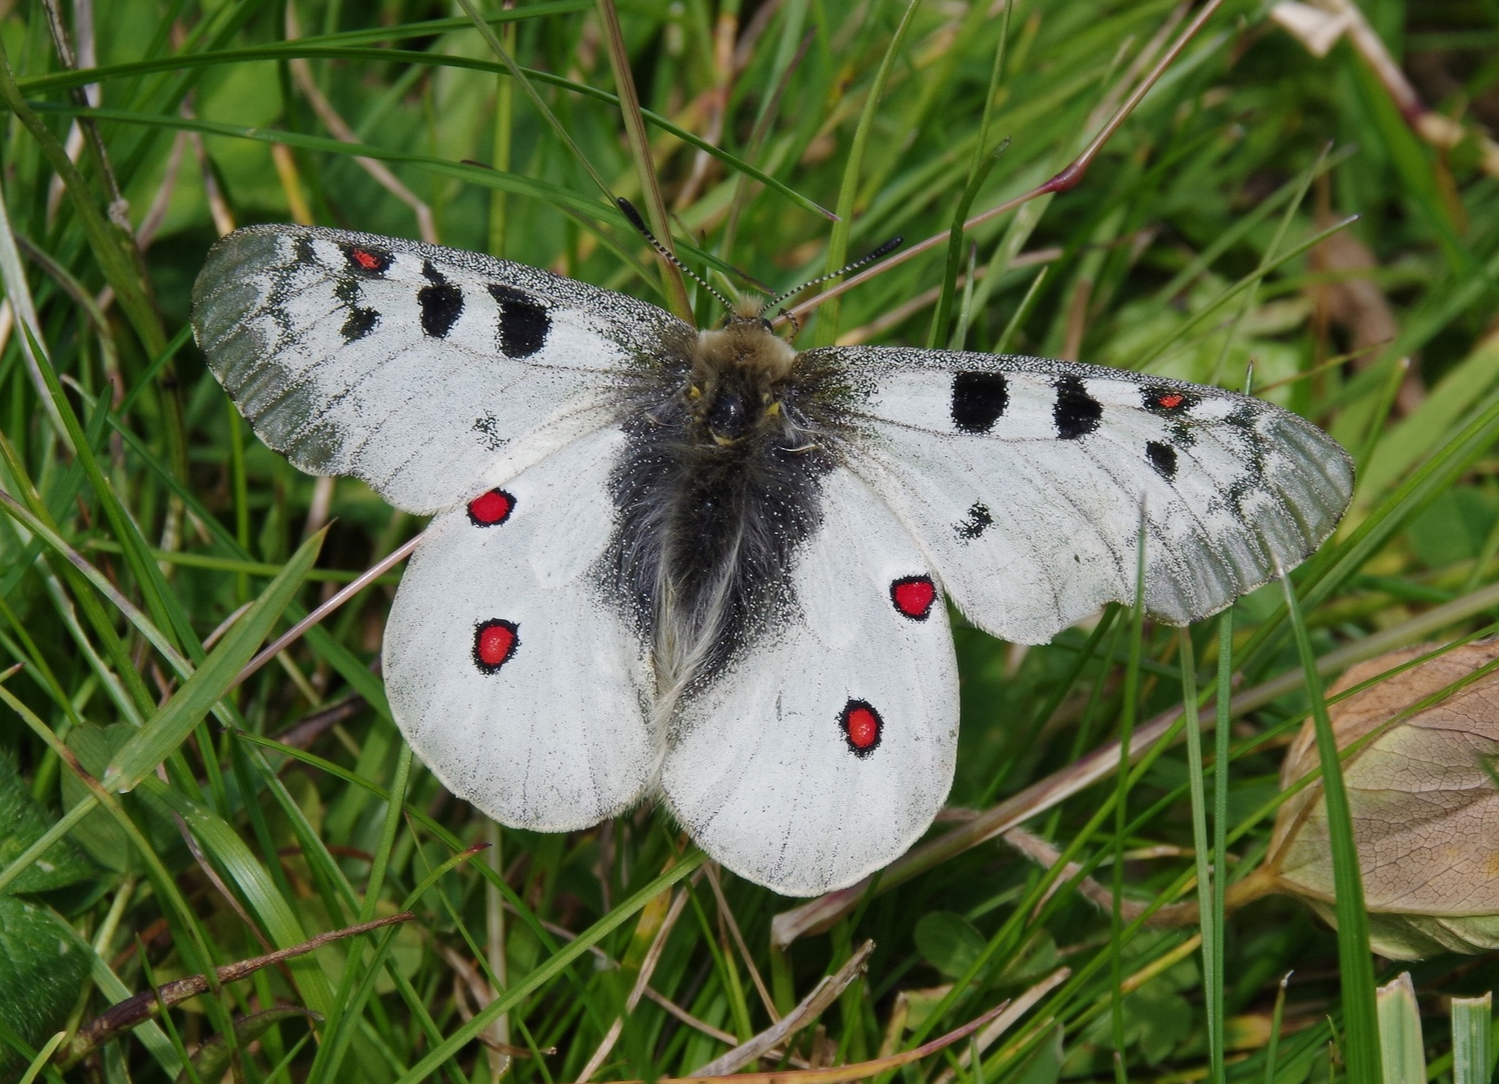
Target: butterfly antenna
[(879, 253), (667, 254)]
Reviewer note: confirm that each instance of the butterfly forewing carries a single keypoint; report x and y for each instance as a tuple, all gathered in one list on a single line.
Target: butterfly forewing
[(1029, 481), (428, 372), (509, 670), (827, 746)]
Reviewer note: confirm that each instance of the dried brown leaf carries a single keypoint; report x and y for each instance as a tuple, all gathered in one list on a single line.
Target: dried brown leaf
[(1422, 793)]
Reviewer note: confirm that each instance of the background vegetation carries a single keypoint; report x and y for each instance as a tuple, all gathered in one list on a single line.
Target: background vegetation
[(141, 517)]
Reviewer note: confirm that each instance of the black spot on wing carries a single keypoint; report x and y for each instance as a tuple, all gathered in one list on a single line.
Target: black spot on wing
[(1244, 421), (1162, 457), (441, 303), (1076, 413), (979, 520), (978, 401), (524, 322), (1243, 416), (488, 428), (361, 322)]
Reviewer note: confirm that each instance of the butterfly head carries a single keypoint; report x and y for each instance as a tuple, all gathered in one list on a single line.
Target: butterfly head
[(738, 372)]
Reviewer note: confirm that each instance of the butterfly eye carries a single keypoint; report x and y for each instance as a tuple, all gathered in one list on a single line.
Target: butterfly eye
[(727, 417)]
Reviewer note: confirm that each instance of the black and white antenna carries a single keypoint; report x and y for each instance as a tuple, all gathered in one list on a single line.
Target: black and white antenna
[(667, 254), (629, 211), (884, 250)]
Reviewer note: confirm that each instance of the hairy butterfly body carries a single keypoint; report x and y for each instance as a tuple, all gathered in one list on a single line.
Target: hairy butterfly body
[(702, 566)]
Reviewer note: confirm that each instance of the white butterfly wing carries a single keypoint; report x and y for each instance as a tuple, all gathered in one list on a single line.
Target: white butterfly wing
[(431, 373), (1025, 480), (823, 752), (511, 674)]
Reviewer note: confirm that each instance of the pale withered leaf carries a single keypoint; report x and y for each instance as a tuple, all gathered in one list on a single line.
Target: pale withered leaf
[(1424, 803)]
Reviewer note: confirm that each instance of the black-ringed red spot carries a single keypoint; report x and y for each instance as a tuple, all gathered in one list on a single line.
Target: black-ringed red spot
[(1167, 401), (368, 261), (862, 727), (491, 509), (495, 642), (912, 596)]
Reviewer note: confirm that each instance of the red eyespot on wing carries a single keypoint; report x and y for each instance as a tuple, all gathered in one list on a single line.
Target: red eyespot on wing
[(495, 642), (491, 509), (913, 596), (1167, 401), (369, 260), (862, 727)]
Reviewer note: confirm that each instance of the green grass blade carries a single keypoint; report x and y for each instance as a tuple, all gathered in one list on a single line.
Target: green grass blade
[(168, 727), (1210, 920), (244, 873), (1472, 1026), (554, 966), (848, 190), (1401, 1052), (1355, 966)]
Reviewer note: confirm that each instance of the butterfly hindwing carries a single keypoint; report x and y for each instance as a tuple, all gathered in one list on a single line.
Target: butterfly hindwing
[(827, 745), (1026, 481), (511, 674), (428, 372)]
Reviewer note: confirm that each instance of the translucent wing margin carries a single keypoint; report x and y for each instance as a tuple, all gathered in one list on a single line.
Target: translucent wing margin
[(1029, 481), (428, 372)]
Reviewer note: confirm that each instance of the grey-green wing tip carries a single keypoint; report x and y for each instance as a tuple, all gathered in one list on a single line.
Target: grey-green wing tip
[(1306, 488)]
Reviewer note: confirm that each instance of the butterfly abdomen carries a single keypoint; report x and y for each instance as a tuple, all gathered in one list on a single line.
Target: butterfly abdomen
[(718, 488)]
